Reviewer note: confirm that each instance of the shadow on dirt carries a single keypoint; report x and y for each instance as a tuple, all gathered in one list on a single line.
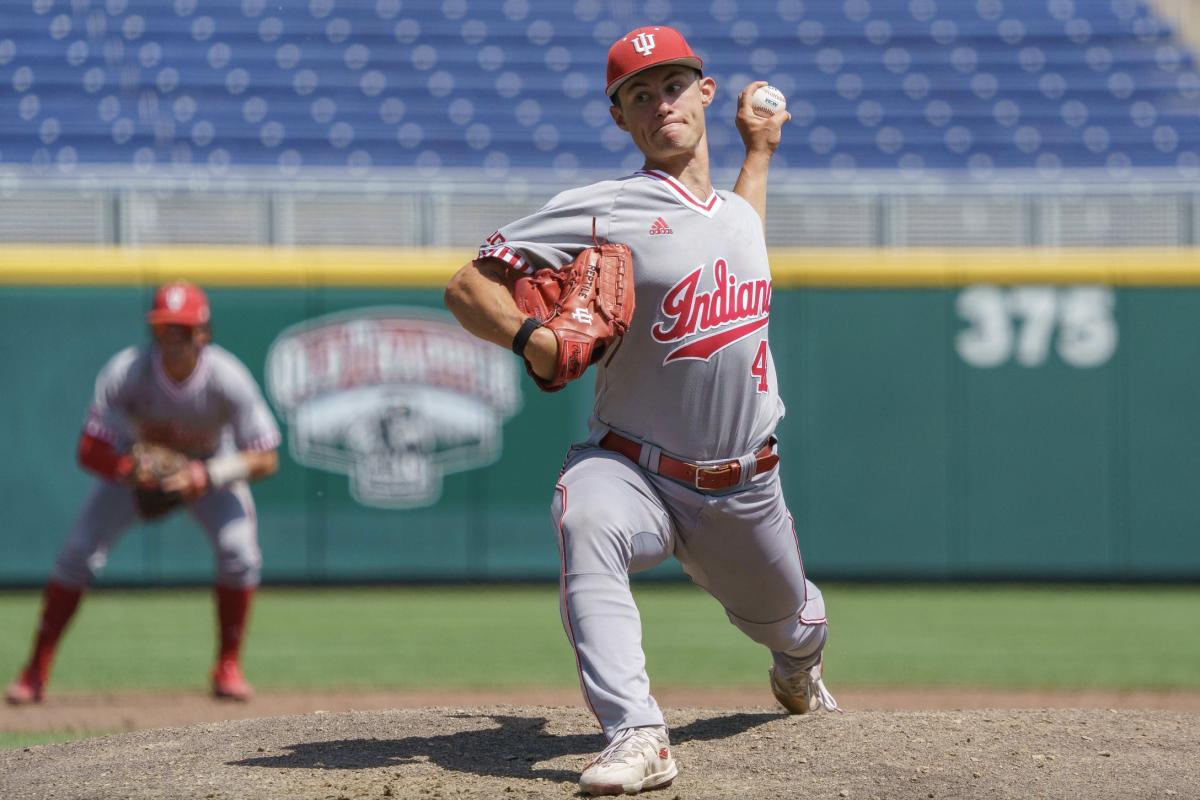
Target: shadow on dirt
[(509, 750)]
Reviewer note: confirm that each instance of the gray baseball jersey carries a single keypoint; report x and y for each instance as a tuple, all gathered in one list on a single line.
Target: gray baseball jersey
[(692, 377), (694, 373), (219, 408)]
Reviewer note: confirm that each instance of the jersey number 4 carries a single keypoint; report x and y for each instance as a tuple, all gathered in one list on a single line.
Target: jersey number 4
[(758, 367)]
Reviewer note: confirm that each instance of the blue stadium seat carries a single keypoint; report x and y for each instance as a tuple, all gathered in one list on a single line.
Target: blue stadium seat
[(923, 84)]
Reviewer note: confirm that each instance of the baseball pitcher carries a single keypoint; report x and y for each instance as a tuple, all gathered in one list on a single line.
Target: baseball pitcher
[(682, 457), (178, 424)]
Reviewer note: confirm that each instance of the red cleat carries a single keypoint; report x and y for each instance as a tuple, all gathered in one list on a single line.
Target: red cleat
[(25, 690), (228, 683)]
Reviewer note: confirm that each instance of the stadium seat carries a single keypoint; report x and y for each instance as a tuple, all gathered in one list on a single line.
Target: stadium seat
[(506, 87)]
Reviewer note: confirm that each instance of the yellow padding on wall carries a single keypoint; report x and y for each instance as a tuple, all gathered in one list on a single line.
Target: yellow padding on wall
[(430, 268), (228, 266), (900, 267)]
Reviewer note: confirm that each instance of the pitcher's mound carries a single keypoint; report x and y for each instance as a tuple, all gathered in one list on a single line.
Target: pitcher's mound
[(535, 752)]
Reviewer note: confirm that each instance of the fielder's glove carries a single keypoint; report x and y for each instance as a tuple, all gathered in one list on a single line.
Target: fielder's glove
[(152, 465), (587, 306)]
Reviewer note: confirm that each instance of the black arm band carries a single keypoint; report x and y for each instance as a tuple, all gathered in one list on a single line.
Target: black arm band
[(522, 338)]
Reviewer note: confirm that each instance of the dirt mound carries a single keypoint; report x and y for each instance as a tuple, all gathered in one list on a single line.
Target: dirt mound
[(111, 712), (535, 752)]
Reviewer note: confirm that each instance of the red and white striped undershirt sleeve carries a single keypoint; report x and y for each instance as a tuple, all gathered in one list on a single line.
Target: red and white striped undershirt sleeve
[(506, 254)]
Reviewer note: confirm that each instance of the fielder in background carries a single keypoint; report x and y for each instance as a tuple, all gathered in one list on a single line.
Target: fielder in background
[(682, 456), (178, 423)]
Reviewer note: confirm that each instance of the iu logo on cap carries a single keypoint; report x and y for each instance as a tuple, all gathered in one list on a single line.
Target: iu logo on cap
[(175, 298), (643, 43)]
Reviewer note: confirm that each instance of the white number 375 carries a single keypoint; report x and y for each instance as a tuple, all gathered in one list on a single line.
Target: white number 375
[(1022, 323)]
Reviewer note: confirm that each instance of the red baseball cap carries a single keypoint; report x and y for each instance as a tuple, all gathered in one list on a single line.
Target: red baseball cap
[(647, 47), (179, 303)]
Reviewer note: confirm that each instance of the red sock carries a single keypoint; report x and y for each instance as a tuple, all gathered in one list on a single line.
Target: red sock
[(58, 606), (233, 609)]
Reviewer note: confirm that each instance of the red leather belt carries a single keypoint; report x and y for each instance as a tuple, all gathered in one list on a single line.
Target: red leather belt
[(724, 475)]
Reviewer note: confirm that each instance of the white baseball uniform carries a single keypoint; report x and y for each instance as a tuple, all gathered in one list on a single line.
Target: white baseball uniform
[(693, 380), (218, 409)]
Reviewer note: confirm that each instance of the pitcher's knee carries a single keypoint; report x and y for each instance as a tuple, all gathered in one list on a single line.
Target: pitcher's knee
[(788, 635), (591, 543)]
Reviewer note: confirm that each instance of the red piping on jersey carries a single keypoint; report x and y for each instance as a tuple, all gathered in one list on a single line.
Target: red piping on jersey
[(100, 457), (566, 609), (705, 205), (705, 348)]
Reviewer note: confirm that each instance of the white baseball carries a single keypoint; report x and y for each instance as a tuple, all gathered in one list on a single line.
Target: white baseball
[(767, 101)]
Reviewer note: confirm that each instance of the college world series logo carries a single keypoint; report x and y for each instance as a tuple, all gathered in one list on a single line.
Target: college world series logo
[(394, 398)]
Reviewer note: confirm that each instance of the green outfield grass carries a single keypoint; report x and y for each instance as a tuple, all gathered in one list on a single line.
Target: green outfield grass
[(404, 638), (28, 739)]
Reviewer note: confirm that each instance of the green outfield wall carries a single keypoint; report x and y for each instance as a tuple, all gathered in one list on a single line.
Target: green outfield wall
[(952, 414)]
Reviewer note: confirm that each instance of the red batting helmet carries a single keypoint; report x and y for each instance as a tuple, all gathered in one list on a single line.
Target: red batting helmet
[(647, 47), (179, 303)]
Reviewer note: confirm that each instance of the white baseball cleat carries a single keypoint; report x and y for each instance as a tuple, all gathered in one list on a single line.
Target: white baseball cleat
[(635, 760), (803, 691)]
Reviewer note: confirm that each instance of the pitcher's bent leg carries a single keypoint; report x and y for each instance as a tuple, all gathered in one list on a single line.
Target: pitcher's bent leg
[(610, 523), (796, 641), (744, 552)]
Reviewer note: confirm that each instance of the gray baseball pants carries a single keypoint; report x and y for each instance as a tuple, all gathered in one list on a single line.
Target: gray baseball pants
[(615, 518), (227, 516)]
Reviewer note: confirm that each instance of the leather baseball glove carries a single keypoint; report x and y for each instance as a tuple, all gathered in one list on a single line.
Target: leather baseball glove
[(151, 464), (587, 305)]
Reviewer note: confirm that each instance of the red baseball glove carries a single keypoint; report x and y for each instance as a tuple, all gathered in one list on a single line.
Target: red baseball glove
[(587, 305)]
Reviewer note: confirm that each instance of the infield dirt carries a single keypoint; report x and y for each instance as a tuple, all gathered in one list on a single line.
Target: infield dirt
[(538, 751)]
